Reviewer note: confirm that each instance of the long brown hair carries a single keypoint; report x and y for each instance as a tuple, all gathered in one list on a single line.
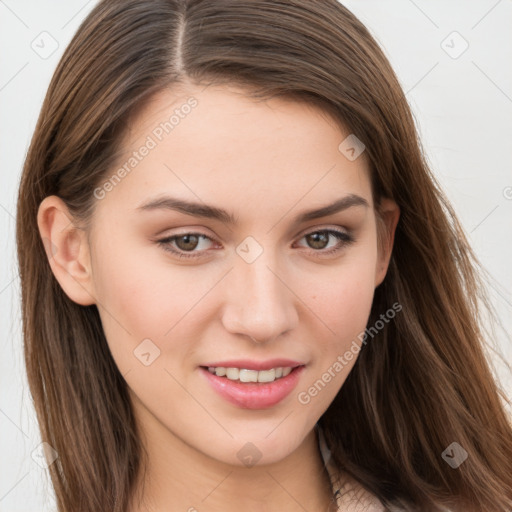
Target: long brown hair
[(419, 385)]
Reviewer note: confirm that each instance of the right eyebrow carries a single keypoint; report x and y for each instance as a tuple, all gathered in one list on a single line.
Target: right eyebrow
[(188, 208)]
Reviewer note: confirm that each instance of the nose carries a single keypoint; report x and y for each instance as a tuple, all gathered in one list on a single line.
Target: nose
[(260, 301)]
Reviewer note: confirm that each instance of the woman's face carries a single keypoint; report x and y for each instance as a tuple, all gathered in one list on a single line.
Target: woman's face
[(258, 283)]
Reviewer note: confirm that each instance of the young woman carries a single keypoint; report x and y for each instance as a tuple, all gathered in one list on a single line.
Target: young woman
[(242, 287)]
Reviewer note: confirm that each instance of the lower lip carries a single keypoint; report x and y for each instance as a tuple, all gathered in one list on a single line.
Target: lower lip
[(254, 395)]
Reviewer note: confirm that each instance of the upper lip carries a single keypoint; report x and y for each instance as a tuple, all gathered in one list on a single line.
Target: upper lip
[(255, 365)]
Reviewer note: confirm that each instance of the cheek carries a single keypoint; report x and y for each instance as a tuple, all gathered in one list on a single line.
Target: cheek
[(129, 296), (141, 300), (342, 295), (343, 308), (343, 304)]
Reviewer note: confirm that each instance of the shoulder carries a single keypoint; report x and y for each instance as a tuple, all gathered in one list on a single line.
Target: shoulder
[(351, 496)]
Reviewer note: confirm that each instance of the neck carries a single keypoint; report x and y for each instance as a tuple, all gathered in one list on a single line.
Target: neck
[(180, 478)]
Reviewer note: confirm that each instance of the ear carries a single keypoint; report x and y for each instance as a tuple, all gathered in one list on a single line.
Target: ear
[(67, 249), (387, 219)]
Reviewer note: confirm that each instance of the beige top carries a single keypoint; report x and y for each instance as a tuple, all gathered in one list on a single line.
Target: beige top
[(351, 496)]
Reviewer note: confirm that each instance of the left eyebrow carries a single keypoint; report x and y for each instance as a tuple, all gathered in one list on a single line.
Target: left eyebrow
[(213, 212), (338, 206)]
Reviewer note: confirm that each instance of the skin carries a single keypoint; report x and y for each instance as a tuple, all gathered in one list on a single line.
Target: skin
[(290, 302)]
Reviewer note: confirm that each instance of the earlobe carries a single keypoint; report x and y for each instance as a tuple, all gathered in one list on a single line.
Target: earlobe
[(387, 220), (67, 250)]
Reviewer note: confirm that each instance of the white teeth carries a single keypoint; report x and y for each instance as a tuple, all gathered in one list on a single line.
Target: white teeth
[(267, 375), (244, 375), (232, 373), (248, 375)]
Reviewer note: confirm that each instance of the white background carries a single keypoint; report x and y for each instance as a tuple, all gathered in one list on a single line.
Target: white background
[(463, 108)]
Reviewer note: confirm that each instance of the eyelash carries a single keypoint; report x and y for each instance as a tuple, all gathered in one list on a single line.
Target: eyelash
[(345, 240)]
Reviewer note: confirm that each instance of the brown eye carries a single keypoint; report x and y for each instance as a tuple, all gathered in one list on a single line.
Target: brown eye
[(318, 239), (187, 242), (184, 246)]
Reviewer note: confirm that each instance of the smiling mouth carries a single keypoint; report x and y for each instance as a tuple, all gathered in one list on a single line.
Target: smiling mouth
[(244, 375)]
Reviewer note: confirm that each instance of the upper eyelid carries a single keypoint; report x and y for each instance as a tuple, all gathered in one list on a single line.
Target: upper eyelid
[(314, 229)]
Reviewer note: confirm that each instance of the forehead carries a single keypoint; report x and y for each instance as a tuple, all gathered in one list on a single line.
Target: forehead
[(218, 144)]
